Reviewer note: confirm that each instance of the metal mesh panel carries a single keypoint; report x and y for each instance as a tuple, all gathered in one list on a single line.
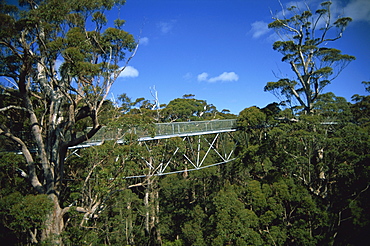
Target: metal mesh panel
[(166, 129), (193, 126)]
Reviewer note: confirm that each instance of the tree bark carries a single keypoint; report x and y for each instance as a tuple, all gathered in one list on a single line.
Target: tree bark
[(151, 202), (54, 223)]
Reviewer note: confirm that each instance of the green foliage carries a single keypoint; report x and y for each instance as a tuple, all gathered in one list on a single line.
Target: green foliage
[(361, 110), (12, 167), (251, 117), (24, 214), (318, 157), (98, 177), (367, 85), (294, 183), (193, 230), (233, 222), (332, 108), (183, 109), (186, 108), (177, 242)]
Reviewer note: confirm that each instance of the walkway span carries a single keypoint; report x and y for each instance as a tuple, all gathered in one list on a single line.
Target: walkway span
[(204, 144), (163, 131), (191, 128)]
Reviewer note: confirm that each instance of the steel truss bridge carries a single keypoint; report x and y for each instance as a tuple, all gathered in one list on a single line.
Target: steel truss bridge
[(186, 146)]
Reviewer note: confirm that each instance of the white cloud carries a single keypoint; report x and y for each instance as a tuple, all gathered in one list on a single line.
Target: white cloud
[(259, 28), (165, 27), (202, 77), (144, 41), (358, 10), (129, 72), (224, 77)]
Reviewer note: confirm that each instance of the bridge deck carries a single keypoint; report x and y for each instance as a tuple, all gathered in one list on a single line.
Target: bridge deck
[(165, 130), (185, 134), (191, 128)]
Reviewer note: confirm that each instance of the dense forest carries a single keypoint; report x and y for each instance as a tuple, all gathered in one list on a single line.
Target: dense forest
[(301, 170), (296, 181)]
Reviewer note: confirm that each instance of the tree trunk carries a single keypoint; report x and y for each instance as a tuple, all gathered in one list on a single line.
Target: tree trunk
[(54, 225), (152, 210)]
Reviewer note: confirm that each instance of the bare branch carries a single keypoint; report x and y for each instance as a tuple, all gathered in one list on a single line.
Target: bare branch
[(12, 106), (11, 82), (30, 162), (82, 138), (127, 62), (116, 74)]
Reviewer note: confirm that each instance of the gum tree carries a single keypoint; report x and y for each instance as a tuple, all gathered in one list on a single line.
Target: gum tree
[(304, 39), (57, 64)]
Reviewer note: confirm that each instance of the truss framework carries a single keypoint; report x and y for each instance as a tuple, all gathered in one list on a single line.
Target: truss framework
[(201, 151), (176, 147)]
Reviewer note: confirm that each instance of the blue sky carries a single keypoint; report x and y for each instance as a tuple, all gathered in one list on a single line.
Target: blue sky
[(221, 50)]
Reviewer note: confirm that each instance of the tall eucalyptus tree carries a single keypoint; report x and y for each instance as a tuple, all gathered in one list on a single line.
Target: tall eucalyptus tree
[(58, 62), (304, 36)]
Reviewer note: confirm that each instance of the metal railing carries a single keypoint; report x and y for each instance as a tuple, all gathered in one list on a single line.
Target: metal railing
[(183, 128), (165, 130)]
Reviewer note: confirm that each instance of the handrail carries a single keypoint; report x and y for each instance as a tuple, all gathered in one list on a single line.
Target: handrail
[(166, 130), (163, 129)]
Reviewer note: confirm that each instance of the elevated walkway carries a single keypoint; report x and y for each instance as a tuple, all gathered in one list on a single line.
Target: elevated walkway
[(191, 128), (162, 131), (204, 144)]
